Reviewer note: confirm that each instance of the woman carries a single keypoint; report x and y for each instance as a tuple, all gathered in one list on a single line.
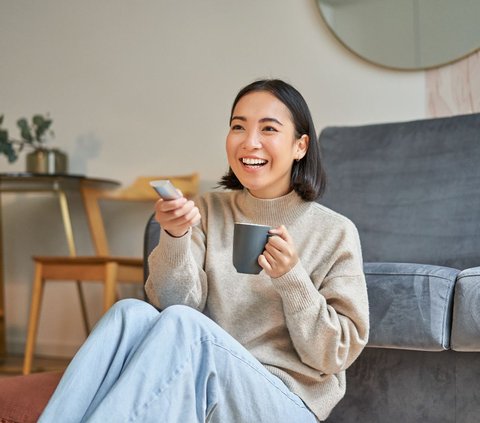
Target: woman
[(232, 347)]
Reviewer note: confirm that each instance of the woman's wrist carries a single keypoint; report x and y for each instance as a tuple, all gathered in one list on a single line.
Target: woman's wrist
[(176, 235)]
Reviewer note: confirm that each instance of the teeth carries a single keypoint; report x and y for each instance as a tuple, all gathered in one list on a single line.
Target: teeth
[(249, 161)]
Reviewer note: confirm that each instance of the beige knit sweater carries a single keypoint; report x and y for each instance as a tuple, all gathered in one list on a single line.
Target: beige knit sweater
[(307, 326)]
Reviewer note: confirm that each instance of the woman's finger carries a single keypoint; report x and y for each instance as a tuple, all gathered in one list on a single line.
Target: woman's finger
[(277, 246), (271, 259), (280, 231), (166, 206), (264, 264)]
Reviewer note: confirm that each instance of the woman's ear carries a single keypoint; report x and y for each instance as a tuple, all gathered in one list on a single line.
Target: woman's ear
[(302, 146)]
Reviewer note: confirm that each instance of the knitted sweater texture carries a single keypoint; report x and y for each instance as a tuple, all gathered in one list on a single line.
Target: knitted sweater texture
[(307, 326)]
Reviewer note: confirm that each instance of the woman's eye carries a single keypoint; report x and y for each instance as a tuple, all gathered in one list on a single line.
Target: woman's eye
[(270, 129), (236, 127)]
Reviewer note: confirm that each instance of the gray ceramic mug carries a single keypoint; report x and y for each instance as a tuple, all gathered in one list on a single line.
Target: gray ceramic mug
[(248, 243)]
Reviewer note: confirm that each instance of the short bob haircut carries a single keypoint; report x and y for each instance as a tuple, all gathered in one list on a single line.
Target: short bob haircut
[(308, 175)]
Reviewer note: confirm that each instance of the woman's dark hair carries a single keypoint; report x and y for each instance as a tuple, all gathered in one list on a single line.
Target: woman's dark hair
[(308, 175)]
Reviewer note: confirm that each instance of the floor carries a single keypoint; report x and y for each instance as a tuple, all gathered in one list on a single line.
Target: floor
[(12, 365)]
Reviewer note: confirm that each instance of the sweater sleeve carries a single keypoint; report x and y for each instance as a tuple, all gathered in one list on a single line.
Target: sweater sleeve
[(176, 274), (328, 326)]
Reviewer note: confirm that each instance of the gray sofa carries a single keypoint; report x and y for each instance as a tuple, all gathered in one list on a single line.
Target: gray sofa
[(413, 190)]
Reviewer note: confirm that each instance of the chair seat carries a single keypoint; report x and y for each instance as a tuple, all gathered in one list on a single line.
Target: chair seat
[(91, 268), (130, 261)]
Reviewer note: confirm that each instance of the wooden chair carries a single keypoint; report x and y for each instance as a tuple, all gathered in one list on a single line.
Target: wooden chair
[(102, 267)]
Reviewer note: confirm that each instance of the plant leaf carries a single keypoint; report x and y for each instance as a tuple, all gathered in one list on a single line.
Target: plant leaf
[(7, 148), (25, 130), (3, 136), (41, 128), (38, 120)]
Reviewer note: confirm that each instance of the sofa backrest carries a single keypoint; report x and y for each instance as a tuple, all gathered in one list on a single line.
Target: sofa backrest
[(412, 188), (151, 236)]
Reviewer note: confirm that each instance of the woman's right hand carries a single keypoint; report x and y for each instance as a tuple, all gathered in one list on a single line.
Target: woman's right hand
[(176, 216)]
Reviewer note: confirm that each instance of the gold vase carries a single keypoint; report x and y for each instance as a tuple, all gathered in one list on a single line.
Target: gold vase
[(44, 160)]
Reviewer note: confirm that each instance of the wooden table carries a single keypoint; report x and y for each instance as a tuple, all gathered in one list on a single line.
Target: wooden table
[(59, 185)]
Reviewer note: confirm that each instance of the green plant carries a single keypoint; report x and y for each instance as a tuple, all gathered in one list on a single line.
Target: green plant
[(32, 135)]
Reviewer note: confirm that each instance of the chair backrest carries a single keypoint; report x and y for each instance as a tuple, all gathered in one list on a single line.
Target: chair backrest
[(139, 190), (412, 188)]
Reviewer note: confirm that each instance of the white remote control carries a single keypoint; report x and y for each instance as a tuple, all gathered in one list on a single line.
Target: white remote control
[(165, 189)]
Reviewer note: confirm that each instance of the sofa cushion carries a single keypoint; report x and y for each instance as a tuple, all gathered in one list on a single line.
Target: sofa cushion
[(466, 311), (23, 398), (411, 188), (410, 305)]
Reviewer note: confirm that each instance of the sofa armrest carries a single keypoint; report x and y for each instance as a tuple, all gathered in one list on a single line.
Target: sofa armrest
[(410, 305), (151, 237), (466, 311)]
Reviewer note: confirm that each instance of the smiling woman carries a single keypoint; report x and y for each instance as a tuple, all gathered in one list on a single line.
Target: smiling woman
[(279, 340)]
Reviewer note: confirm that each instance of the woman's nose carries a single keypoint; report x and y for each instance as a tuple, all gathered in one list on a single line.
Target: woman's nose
[(252, 141)]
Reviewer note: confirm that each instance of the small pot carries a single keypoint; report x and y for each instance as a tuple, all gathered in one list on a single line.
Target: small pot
[(43, 160)]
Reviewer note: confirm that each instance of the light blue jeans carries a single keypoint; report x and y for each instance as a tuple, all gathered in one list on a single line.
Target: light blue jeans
[(174, 366)]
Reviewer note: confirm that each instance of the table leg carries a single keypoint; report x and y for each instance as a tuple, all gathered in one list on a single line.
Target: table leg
[(3, 348), (67, 224)]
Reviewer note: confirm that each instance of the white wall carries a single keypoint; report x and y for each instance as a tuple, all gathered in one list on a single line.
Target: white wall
[(145, 87)]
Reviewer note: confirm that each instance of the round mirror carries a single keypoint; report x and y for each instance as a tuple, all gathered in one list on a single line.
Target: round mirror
[(405, 34)]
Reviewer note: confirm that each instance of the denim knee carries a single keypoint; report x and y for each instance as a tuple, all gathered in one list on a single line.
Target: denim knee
[(186, 316), (130, 306), (180, 312)]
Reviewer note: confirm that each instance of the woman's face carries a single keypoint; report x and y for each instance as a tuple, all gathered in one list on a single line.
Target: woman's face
[(261, 145)]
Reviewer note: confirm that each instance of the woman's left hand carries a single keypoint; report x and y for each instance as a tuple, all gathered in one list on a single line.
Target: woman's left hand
[(280, 255)]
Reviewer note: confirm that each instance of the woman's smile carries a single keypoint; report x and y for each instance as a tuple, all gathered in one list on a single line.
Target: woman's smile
[(253, 163)]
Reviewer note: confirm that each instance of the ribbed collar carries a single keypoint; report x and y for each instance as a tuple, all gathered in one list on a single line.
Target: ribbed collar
[(276, 211)]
